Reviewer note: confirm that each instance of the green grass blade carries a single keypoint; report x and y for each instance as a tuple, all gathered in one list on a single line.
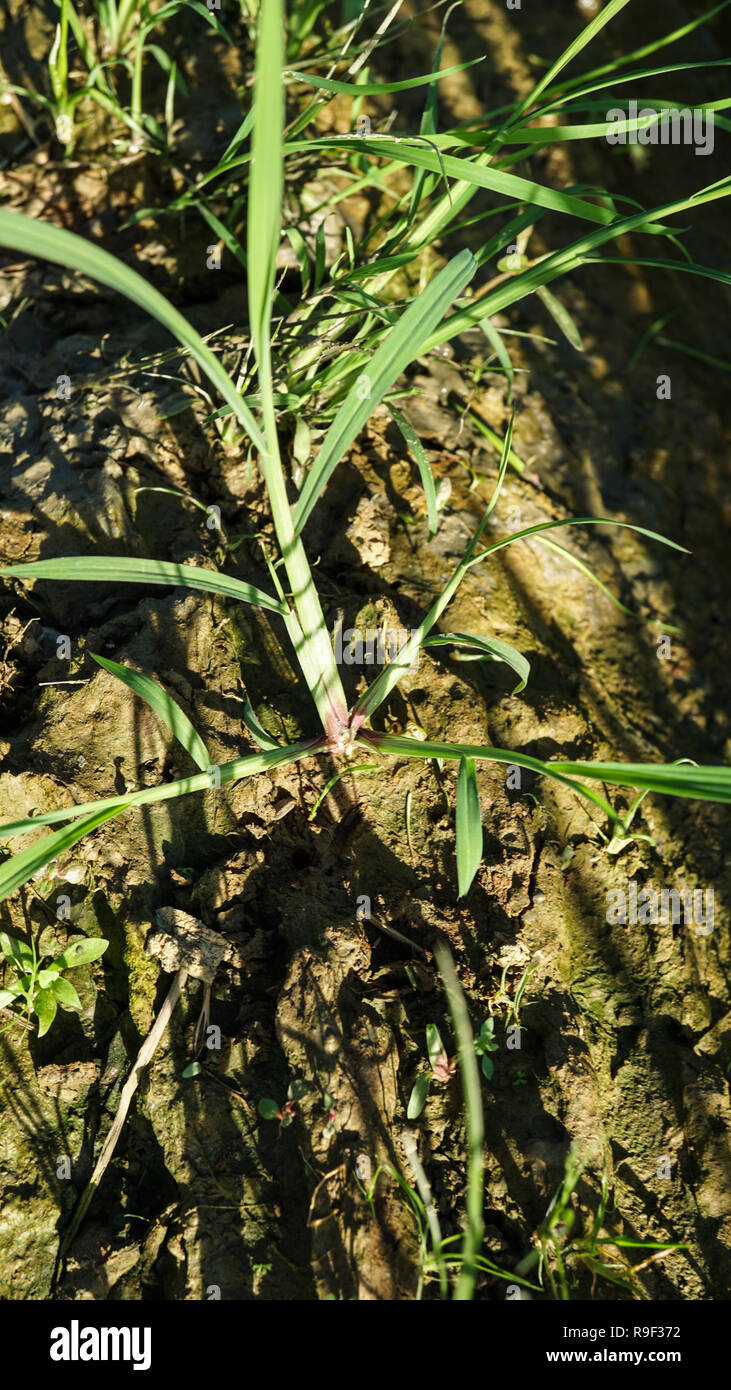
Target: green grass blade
[(163, 705), (580, 42), (249, 766), (562, 317), (491, 647), (265, 185), (314, 652), (469, 826), (494, 338), (574, 521), (594, 579), (428, 127), (384, 683), (573, 257), (34, 238), (374, 89), (16, 871), (122, 569), (472, 172), (401, 345), (702, 783), (472, 1093), (259, 734), (422, 463), (622, 60)]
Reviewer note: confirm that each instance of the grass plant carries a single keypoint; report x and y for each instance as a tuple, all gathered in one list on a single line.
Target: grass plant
[(367, 368)]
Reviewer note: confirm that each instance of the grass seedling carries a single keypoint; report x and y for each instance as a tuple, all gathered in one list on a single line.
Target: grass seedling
[(99, 61), (561, 1251), (360, 378)]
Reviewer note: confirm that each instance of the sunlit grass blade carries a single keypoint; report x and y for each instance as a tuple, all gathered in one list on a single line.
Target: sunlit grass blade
[(249, 766), (594, 579), (31, 237), (562, 317), (374, 89), (163, 705), (384, 683), (472, 1093), (573, 521), (17, 870), (408, 150), (259, 734), (264, 209), (701, 783), (123, 569), (422, 463), (620, 60), (486, 648), (428, 126), (265, 186), (587, 34), (469, 826), (709, 783), (494, 338), (401, 345), (576, 255)]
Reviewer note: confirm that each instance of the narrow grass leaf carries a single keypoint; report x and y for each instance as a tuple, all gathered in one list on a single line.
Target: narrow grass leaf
[(469, 826), (16, 871), (488, 648), (422, 463), (401, 345), (494, 338), (580, 42), (408, 150), (702, 783), (562, 317), (265, 185), (472, 1092), (31, 237), (163, 705), (374, 89), (248, 766), (257, 731), (121, 569)]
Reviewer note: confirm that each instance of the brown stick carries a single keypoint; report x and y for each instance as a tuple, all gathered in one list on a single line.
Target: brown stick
[(144, 1056)]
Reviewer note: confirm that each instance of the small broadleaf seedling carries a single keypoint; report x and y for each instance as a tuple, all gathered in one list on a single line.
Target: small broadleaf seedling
[(40, 986)]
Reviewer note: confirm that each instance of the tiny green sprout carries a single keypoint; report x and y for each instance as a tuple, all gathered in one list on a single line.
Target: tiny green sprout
[(486, 1043), (271, 1110), (442, 1069), (39, 986)]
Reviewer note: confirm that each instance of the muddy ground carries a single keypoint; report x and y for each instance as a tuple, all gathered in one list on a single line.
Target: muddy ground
[(626, 1029)]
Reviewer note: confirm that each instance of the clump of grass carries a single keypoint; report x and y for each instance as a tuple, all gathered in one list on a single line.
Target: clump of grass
[(99, 60), (388, 339), (561, 1250)]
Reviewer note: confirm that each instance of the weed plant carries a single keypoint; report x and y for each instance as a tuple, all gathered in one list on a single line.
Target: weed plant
[(387, 339)]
